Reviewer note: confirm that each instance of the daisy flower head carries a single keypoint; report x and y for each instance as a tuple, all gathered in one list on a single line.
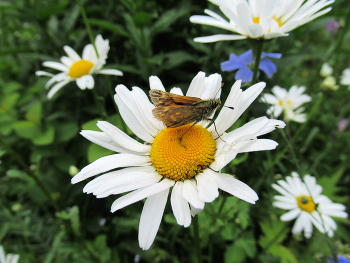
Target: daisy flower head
[(185, 159), (288, 102), (307, 205), (260, 19), (245, 62), (79, 69), (9, 258)]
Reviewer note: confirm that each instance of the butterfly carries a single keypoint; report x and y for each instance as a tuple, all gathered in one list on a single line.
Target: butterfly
[(176, 110)]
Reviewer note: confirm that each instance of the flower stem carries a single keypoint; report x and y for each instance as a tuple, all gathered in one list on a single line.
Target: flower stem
[(87, 25), (22, 163), (196, 238), (257, 55), (336, 47), (281, 154), (99, 104)]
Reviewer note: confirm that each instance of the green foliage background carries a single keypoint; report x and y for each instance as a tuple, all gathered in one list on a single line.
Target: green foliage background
[(156, 38)]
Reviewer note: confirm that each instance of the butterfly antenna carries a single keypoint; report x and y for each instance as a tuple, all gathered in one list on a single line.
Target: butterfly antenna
[(187, 130), (217, 131)]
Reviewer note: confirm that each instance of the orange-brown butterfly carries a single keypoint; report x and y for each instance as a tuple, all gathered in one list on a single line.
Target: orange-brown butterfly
[(176, 110)]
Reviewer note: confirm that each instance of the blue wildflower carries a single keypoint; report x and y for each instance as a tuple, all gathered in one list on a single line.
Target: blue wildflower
[(245, 61), (341, 259)]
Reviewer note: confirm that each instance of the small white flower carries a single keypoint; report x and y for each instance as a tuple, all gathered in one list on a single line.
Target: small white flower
[(329, 83), (79, 69), (260, 18), (307, 205), (186, 158), (345, 77), (288, 102), (9, 258), (326, 70)]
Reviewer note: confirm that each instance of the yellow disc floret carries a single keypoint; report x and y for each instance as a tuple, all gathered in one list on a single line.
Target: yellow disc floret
[(306, 203), (183, 152), (80, 68)]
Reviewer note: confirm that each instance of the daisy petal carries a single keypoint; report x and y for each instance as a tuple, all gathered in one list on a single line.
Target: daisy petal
[(86, 81), (110, 162), (110, 72), (151, 217), (216, 38), (56, 65), (235, 187), (180, 206), (56, 88), (140, 194)]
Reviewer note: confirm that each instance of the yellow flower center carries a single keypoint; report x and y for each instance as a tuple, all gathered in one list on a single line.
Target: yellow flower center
[(306, 203), (256, 20), (284, 102), (279, 22), (80, 68), (183, 152)]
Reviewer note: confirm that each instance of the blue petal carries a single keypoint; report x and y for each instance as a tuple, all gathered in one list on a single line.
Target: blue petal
[(245, 74), (247, 57), (268, 67), (271, 55), (230, 65)]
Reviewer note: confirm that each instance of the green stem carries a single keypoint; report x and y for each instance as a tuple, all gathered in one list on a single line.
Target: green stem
[(111, 92), (222, 204), (340, 37), (87, 25), (22, 163), (289, 144), (284, 150), (99, 104), (196, 238), (257, 56)]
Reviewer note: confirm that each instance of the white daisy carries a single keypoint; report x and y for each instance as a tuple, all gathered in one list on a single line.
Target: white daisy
[(79, 69), (305, 202), (186, 160), (345, 77), (260, 18), (9, 258), (288, 102)]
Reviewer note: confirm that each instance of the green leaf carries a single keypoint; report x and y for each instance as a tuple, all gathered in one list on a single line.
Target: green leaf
[(13, 173), (45, 137), (329, 185), (65, 131), (274, 232), (109, 26), (9, 100), (95, 152), (26, 129), (91, 125), (63, 161), (168, 18), (241, 249), (34, 113), (286, 255), (74, 218)]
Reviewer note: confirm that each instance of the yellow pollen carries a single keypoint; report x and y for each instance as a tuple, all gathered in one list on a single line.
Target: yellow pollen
[(306, 203), (80, 68), (288, 102), (279, 22), (183, 152), (280, 102), (256, 20)]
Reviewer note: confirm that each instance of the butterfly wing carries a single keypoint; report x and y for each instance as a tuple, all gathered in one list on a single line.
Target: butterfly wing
[(162, 98), (176, 116)]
